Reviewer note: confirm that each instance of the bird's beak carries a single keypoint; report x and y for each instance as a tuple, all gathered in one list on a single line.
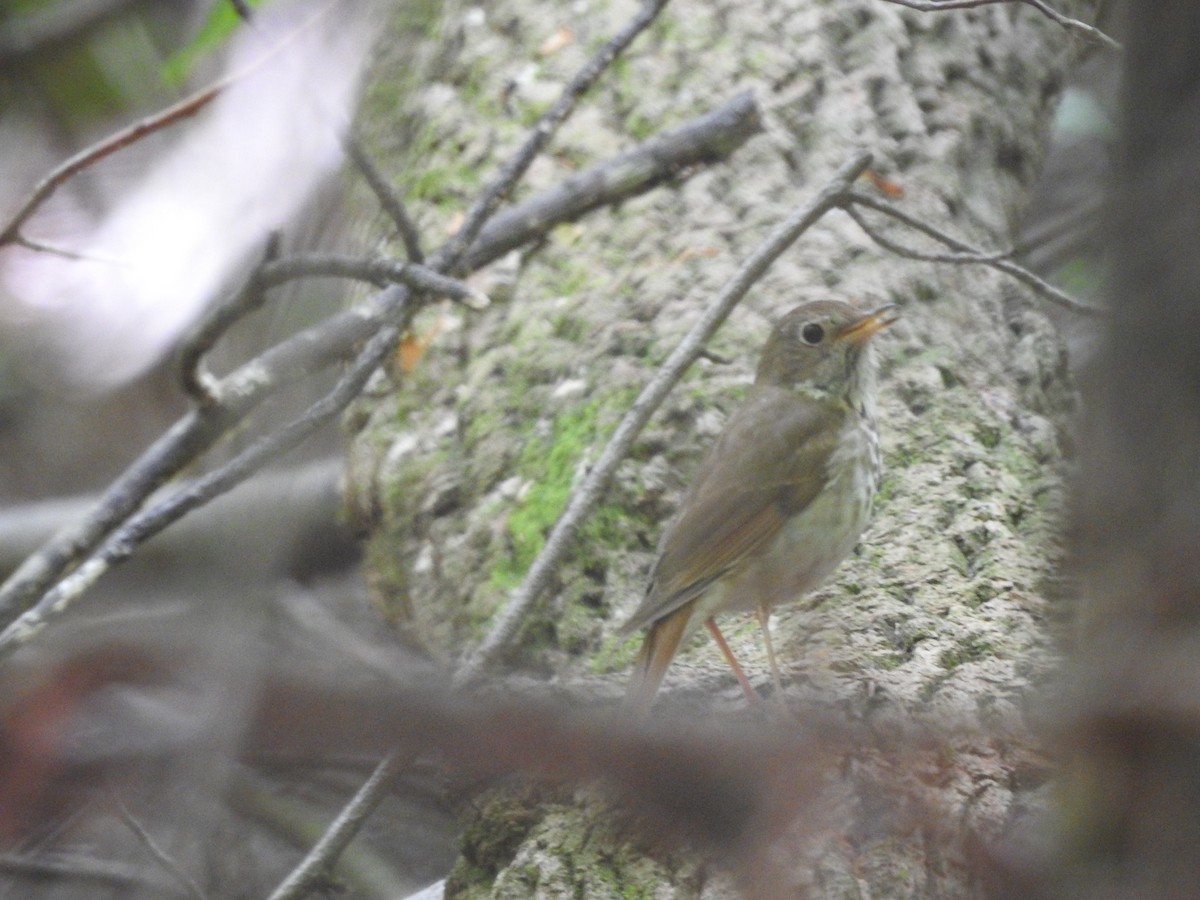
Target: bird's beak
[(876, 320)]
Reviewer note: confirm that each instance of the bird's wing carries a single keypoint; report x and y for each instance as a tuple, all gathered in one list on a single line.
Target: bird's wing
[(768, 464)]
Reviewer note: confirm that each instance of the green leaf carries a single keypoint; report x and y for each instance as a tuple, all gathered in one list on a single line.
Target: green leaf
[(221, 22)]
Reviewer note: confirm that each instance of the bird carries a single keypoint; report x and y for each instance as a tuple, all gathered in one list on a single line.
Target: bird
[(780, 499)]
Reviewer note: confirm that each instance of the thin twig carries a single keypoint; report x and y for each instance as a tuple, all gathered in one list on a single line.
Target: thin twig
[(340, 833), (705, 139), (583, 500), (121, 544), (167, 862), (273, 272), (239, 393), (964, 253), (919, 255), (131, 134), (1090, 32), (548, 123), (379, 271), (197, 383), (388, 198)]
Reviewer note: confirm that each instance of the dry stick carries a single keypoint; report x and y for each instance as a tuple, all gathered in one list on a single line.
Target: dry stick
[(272, 273), (1088, 31), (388, 198), (131, 134), (168, 863), (584, 499), (327, 343), (305, 353), (121, 544), (706, 139), (379, 271), (547, 124), (340, 832), (197, 383), (42, 191), (965, 253)]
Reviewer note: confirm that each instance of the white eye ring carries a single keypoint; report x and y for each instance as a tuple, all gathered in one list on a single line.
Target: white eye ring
[(812, 334)]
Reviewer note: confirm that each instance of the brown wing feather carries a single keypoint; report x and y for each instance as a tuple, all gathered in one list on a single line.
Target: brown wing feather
[(779, 442)]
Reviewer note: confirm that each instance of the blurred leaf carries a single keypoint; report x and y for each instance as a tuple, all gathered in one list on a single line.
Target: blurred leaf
[(221, 22)]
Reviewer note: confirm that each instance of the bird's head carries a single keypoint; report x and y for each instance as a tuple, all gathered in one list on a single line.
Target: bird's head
[(822, 349)]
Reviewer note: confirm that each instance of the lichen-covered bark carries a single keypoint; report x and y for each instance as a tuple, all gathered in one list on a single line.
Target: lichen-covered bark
[(464, 463)]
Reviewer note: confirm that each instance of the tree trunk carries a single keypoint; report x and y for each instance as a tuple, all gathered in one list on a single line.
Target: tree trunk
[(940, 616)]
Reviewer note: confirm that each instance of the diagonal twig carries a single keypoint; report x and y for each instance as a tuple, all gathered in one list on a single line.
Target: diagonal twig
[(121, 544), (584, 498), (1090, 32), (548, 123), (131, 134), (964, 252), (388, 198), (705, 139), (340, 833), (167, 862)]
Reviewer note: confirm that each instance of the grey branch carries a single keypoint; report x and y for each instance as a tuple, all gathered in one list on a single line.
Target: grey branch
[(379, 271), (121, 544), (1090, 32), (584, 499), (707, 139), (964, 253), (339, 834), (195, 381), (481, 211), (388, 198)]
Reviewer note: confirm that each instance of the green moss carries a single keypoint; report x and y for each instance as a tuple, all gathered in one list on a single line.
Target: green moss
[(988, 435), (490, 841), (969, 649), (551, 465)]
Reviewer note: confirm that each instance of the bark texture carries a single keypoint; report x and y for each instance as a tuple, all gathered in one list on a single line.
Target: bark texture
[(460, 466)]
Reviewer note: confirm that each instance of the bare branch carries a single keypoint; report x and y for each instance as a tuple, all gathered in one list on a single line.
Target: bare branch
[(388, 198), (705, 139), (964, 253), (340, 833), (584, 499), (124, 541), (379, 271), (548, 123), (239, 393), (168, 863), (1090, 32), (196, 383), (272, 273), (131, 134)]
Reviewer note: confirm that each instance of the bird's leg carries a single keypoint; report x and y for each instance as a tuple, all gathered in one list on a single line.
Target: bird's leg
[(764, 619), (751, 697)]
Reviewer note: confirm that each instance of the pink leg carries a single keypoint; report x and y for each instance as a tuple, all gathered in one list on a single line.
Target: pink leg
[(751, 697)]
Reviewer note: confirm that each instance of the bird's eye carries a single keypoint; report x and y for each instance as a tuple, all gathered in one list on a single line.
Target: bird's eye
[(812, 333)]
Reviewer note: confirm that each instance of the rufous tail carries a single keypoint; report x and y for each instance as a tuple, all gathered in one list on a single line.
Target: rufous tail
[(658, 649)]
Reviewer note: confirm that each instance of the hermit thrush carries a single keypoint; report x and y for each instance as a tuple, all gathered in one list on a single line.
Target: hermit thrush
[(782, 496)]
